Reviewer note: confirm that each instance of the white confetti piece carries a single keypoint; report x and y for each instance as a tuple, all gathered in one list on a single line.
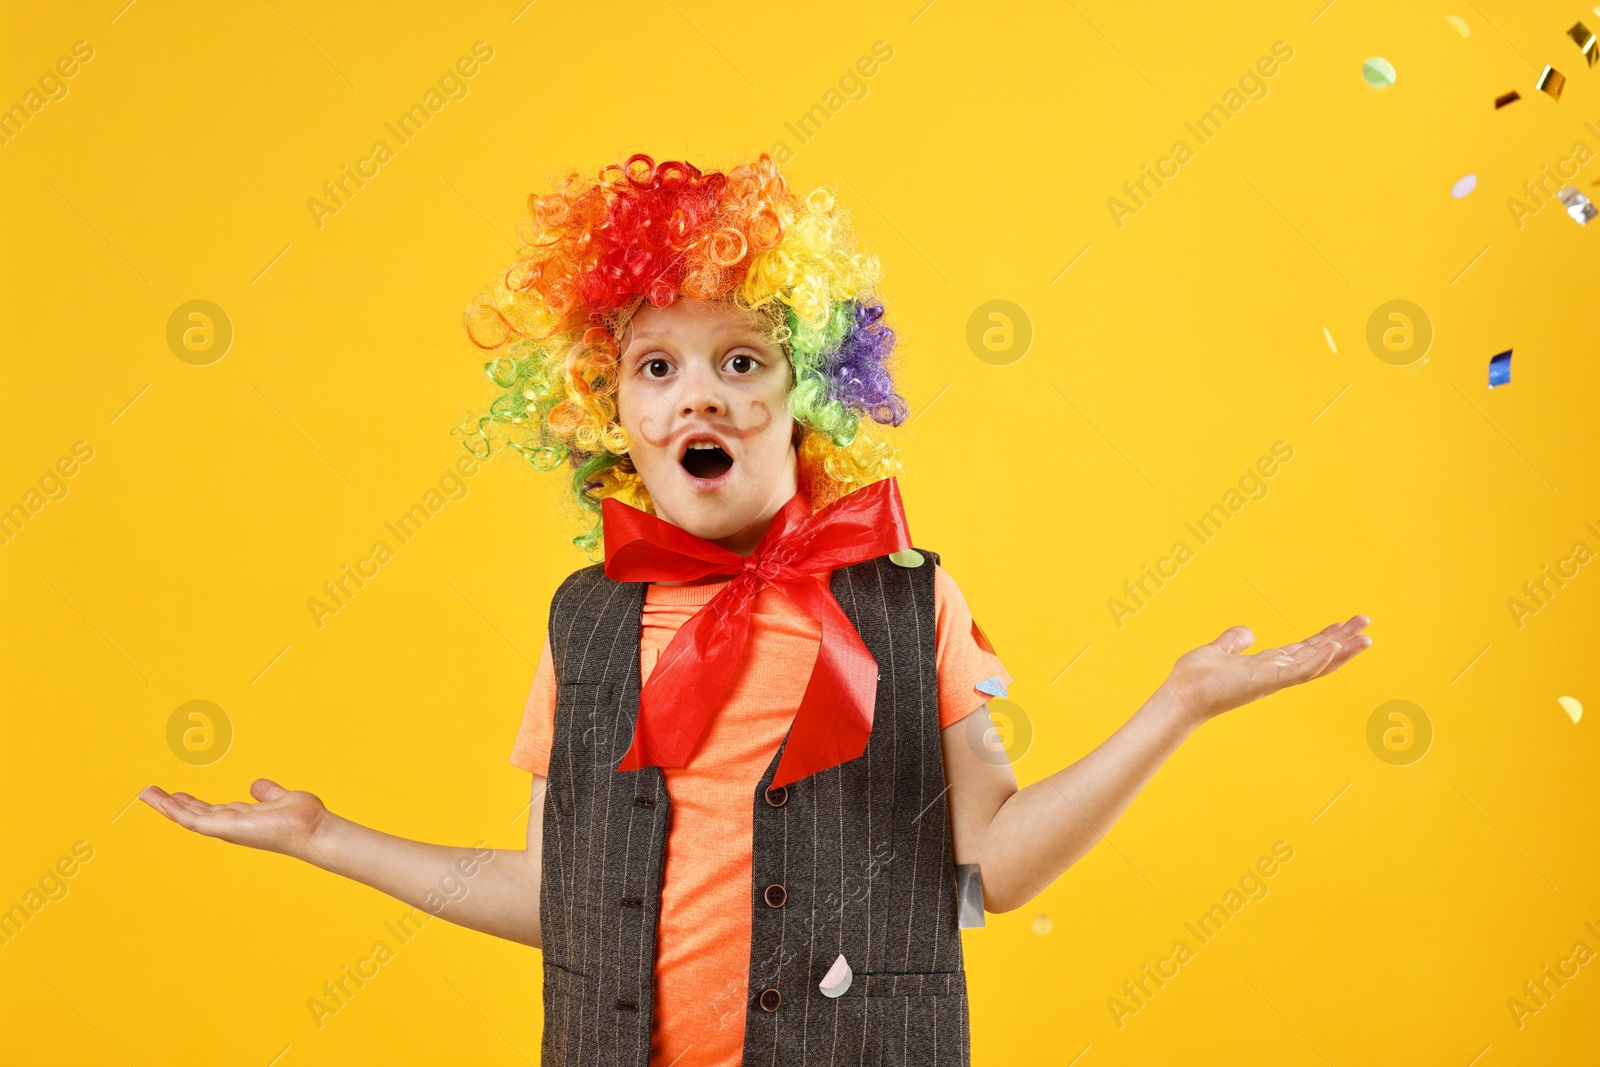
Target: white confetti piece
[(1577, 205), (1041, 925), (1572, 707), (838, 978), (969, 897)]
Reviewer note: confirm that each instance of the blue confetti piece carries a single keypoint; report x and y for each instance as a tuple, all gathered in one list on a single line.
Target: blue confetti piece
[(1500, 369), (992, 686)]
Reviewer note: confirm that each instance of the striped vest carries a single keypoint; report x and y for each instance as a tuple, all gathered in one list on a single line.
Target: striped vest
[(854, 860)]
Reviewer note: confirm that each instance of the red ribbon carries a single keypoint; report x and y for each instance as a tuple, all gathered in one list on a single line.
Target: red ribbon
[(695, 673)]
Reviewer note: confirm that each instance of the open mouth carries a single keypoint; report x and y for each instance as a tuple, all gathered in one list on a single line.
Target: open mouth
[(706, 459)]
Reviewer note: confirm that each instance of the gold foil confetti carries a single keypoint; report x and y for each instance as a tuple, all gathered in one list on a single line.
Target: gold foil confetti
[(1586, 43), (1041, 925), (1551, 82), (1508, 98), (1459, 24), (1329, 335), (982, 638)]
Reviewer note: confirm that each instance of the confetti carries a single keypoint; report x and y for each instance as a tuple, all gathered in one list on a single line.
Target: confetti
[(1329, 335), (1586, 42), (982, 638), (1460, 25), (1378, 71), (1572, 707), (992, 686), (1551, 82), (906, 557), (1508, 98), (1464, 186), (1577, 205), (1500, 369), (969, 896), (838, 978), (1041, 925)]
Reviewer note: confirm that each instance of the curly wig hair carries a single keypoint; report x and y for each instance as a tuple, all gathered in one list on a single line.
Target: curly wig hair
[(593, 248)]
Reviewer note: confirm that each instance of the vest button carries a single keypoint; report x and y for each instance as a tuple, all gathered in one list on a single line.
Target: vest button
[(775, 896), (770, 999), (778, 797)]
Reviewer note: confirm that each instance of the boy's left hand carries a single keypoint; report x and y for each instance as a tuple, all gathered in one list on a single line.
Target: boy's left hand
[(1218, 677)]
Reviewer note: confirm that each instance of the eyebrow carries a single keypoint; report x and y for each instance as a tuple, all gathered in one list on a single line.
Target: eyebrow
[(748, 331)]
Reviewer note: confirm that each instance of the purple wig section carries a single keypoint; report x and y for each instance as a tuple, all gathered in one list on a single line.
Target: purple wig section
[(858, 372)]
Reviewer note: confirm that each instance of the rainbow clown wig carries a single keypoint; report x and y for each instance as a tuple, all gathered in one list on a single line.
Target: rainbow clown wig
[(594, 248)]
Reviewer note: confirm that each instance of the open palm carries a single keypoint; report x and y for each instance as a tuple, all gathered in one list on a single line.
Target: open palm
[(1218, 676), (284, 820)]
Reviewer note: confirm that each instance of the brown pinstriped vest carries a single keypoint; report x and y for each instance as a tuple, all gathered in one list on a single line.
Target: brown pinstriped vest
[(861, 851)]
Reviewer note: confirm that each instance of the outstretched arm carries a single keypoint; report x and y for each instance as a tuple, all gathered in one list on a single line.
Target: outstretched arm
[(1023, 840), (495, 891)]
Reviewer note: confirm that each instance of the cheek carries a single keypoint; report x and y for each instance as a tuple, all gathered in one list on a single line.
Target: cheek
[(770, 410), (643, 412), (770, 428)]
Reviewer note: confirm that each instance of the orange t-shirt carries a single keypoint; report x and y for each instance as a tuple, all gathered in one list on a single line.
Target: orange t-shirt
[(703, 939)]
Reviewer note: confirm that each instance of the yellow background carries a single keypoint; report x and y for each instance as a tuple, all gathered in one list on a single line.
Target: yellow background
[(979, 165)]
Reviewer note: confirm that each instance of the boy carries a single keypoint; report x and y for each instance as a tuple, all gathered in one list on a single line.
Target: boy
[(761, 805)]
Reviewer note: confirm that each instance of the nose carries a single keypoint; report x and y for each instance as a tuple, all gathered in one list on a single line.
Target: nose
[(700, 391)]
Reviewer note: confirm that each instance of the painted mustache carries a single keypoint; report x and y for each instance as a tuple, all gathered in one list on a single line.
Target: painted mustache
[(758, 407)]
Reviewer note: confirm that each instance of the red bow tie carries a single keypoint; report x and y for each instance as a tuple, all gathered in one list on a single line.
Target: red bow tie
[(693, 676)]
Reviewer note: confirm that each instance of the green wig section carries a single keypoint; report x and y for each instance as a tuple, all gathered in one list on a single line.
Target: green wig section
[(809, 402)]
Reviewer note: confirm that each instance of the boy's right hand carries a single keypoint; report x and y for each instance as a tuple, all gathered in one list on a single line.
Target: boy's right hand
[(285, 820)]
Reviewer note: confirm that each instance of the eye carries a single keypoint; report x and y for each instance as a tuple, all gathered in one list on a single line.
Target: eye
[(655, 368), (743, 364)]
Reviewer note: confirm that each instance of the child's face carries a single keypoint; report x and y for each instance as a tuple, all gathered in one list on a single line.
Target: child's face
[(704, 373)]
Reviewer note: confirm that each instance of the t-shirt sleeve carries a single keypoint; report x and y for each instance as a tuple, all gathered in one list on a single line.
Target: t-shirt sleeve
[(531, 750), (969, 671)]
